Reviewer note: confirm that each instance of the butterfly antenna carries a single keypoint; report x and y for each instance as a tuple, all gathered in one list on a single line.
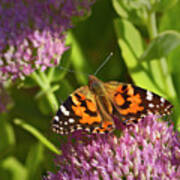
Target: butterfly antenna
[(106, 60), (66, 69)]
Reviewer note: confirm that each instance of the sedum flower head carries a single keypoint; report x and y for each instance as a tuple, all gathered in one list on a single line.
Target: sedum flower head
[(148, 150), (32, 33)]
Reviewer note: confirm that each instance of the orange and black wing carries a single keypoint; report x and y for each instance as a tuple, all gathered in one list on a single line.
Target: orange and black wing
[(80, 112), (132, 103)]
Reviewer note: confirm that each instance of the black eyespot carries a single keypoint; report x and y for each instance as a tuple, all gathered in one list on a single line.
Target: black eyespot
[(106, 132), (135, 121), (97, 131), (124, 87)]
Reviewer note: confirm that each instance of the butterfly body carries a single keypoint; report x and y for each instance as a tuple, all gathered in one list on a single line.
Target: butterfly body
[(93, 107)]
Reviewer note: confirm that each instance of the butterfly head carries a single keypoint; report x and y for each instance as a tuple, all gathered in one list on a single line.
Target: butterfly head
[(95, 85)]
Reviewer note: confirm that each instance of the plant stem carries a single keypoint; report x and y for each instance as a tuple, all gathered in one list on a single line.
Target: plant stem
[(151, 25), (44, 83), (50, 73)]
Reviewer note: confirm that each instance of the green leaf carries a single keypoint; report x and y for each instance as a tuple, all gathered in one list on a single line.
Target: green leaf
[(120, 10), (38, 135), (7, 132), (11, 168), (34, 159), (162, 45), (173, 61), (164, 5), (131, 44), (135, 11), (170, 19)]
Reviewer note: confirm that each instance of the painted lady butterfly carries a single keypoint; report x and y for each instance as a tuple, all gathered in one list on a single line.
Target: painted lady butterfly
[(93, 107)]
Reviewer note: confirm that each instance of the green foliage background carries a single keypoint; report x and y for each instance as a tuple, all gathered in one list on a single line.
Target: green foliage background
[(144, 37)]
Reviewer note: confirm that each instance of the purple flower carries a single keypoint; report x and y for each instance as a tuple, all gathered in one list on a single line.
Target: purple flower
[(32, 33), (5, 99), (148, 150)]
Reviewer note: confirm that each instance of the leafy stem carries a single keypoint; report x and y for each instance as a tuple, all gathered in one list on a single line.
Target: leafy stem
[(151, 25), (162, 64), (44, 83), (37, 134)]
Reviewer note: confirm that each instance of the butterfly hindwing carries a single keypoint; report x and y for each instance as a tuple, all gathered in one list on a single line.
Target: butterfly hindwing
[(132, 103)]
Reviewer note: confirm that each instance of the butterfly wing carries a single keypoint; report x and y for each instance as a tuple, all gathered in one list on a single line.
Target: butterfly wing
[(131, 103), (78, 112)]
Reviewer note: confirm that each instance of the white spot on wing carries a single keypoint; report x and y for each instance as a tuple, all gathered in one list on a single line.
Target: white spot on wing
[(87, 129), (64, 110), (149, 96), (56, 118), (78, 127), (150, 113), (72, 130), (151, 105), (162, 100), (55, 125), (61, 132), (71, 120)]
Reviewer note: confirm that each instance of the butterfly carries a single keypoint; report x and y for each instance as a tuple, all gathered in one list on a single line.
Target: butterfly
[(93, 107)]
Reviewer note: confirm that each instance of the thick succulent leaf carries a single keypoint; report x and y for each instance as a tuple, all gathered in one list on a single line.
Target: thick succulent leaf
[(162, 45), (131, 45)]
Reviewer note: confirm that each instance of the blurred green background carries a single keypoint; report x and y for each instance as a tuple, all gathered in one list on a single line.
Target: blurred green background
[(127, 31)]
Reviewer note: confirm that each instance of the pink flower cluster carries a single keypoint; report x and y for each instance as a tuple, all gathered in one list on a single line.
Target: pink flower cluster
[(148, 150), (32, 34)]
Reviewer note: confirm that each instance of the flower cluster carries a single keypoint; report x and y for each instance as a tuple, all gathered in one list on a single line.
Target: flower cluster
[(32, 33), (148, 150)]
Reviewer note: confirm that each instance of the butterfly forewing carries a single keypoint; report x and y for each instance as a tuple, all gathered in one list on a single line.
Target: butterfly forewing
[(78, 112)]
